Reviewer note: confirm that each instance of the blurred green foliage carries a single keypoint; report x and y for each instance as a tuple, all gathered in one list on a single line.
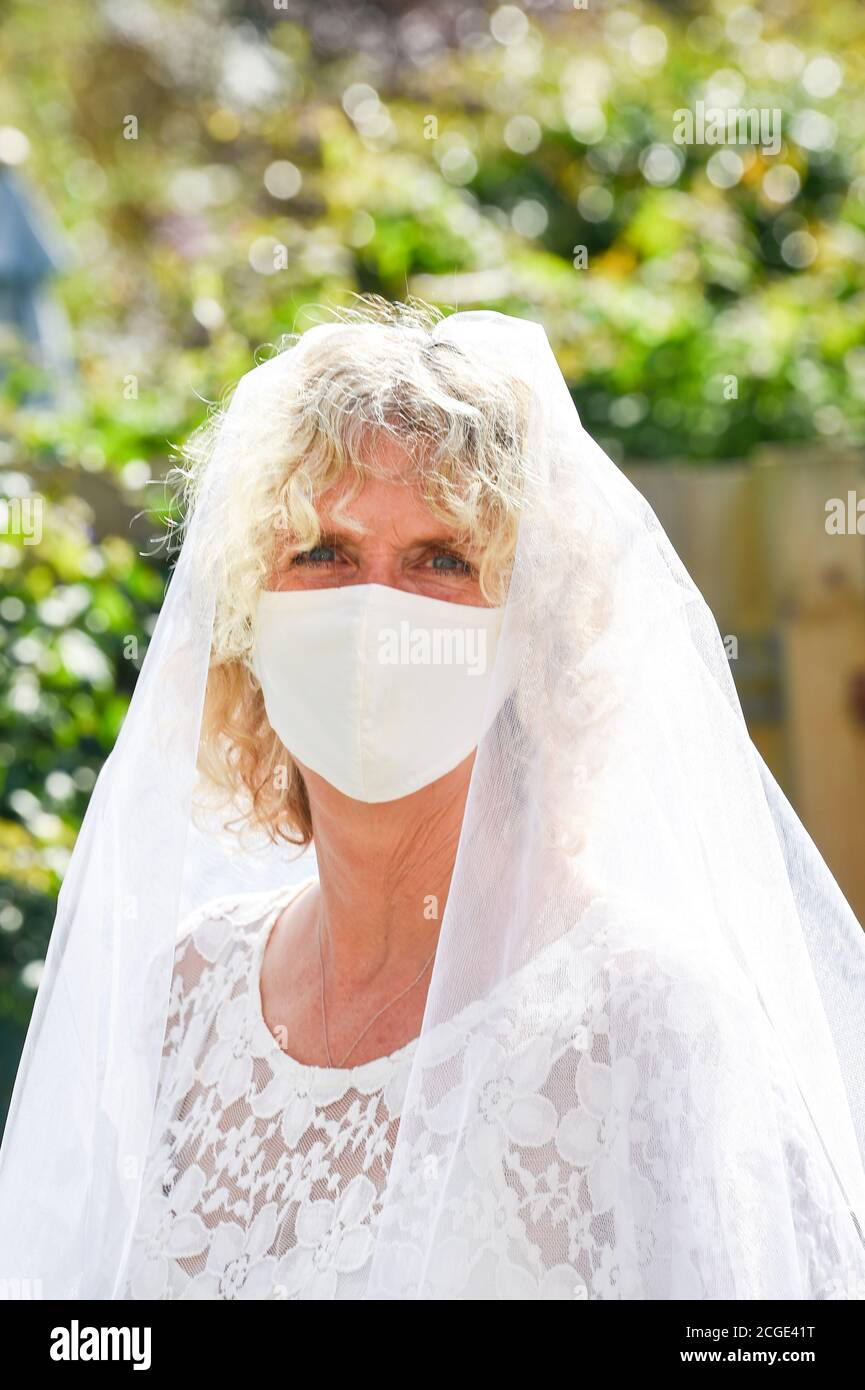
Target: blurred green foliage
[(222, 172)]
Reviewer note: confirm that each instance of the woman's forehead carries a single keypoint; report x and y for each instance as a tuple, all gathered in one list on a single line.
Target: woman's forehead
[(392, 507), (390, 478)]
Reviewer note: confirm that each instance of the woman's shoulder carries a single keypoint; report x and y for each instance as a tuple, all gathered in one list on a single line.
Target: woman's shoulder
[(625, 966), (214, 955), (222, 928), (632, 940), (230, 913)]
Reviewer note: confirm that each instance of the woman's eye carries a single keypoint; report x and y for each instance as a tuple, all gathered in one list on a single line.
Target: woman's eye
[(319, 555), (446, 562)]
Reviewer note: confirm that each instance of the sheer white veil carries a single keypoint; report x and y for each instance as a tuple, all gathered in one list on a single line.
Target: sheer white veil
[(642, 1038)]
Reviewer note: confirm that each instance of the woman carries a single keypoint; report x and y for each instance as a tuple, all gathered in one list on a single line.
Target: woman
[(563, 1006)]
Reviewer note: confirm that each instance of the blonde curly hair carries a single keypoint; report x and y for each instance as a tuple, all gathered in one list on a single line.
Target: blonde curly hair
[(377, 372)]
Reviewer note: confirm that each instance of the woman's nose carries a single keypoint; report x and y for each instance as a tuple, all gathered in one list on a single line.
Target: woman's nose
[(380, 569)]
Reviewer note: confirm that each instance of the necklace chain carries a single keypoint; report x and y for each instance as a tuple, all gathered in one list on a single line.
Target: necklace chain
[(374, 1017)]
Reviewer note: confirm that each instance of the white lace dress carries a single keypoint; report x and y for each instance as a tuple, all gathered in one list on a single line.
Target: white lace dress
[(265, 1175)]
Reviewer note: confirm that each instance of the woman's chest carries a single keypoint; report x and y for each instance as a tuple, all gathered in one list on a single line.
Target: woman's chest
[(262, 1200)]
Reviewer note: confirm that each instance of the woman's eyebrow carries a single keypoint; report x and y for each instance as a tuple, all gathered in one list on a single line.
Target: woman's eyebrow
[(334, 533), (340, 536), (442, 538)]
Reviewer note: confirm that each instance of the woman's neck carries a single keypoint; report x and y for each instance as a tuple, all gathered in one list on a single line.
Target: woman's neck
[(385, 872)]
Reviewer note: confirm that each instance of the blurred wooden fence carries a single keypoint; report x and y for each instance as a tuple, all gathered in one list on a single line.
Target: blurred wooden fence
[(754, 539)]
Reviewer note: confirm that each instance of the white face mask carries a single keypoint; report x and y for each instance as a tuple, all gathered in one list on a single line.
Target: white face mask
[(377, 690)]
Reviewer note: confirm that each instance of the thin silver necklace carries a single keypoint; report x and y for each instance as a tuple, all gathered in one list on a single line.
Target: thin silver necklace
[(375, 1016)]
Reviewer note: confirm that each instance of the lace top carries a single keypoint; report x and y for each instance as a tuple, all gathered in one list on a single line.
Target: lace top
[(265, 1175), (264, 1181)]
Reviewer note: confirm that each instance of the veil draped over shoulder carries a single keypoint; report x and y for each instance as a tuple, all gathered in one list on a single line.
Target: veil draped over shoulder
[(640, 1070)]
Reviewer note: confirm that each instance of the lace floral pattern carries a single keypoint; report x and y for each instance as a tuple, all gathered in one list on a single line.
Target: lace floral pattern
[(578, 1175), (265, 1178)]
